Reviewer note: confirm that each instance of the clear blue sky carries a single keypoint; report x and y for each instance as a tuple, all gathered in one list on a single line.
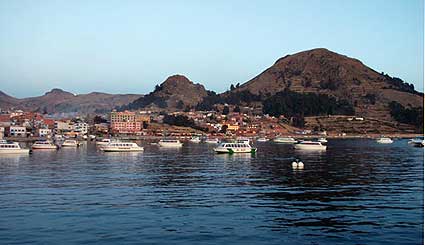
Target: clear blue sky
[(129, 46)]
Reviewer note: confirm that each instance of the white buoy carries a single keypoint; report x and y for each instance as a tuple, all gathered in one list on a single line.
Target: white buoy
[(294, 164), (300, 165)]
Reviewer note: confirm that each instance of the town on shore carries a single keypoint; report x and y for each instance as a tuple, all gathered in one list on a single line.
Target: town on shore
[(230, 122)]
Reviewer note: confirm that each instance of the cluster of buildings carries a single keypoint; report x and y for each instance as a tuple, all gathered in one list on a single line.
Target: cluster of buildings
[(31, 124), (147, 123)]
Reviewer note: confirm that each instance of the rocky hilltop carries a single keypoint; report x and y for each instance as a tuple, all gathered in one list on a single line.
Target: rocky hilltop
[(321, 71), (59, 101), (177, 92)]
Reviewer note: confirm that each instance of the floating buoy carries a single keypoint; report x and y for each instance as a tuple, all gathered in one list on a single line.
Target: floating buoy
[(300, 165), (294, 164)]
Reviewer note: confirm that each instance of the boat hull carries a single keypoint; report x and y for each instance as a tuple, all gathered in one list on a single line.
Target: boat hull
[(225, 150), (69, 145), (310, 147), (122, 149), (384, 141), (14, 151), (170, 144), (44, 147)]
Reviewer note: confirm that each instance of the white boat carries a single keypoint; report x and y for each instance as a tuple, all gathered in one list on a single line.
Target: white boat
[(195, 139), (384, 140), (43, 145), (92, 137), (417, 142), (11, 148), (170, 143), (103, 142), (262, 139), (70, 143), (322, 140), (285, 140), (310, 145), (121, 147), (212, 141), (242, 140), (231, 148)]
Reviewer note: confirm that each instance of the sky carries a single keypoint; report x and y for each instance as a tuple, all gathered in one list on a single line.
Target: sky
[(130, 46)]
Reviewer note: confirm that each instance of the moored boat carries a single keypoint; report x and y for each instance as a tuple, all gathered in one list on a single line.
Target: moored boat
[(384, 140), (231, 148), (7, 147), (285, 140), (262, 139), (70, 143), (44, 145), (170, 143), (310, 145), (195, 139), (121, 147), (212, 141), (416, 142)]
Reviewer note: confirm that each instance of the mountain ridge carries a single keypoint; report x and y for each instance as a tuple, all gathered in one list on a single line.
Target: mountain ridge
[(59, 101)]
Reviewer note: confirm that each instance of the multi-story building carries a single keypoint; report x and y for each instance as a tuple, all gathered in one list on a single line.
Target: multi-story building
[(61, 127), (44, 132), (81, 127), (17, 131), (128, 122)]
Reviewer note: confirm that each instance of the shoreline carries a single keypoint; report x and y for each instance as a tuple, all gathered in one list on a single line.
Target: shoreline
[(145, 137)]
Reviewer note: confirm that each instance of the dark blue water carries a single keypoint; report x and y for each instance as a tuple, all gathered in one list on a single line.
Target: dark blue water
[(357, 192)]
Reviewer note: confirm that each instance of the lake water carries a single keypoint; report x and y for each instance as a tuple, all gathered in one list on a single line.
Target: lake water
[(356, 192)]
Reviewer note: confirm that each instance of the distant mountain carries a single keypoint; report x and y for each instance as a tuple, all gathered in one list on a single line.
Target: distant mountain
[(324, 72), (177, 92), (59, 101)]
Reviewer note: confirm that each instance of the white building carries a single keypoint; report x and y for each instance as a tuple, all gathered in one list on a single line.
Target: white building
[(44, 132), (17, 131), (1, 132), (81, 127), (63, 126)]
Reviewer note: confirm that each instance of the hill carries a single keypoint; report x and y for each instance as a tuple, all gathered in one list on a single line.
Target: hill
[(177, 92), (59, 101), (321, 71)]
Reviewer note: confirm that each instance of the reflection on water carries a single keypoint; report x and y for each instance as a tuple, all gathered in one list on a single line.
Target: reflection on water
[(355, 192)]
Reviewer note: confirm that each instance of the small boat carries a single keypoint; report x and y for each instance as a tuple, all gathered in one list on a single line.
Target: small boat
[(212, 141), (103, 142), (285, 140), (384, 140), (417, 142), (262, 139), (11, 148), (310, 145), (242, 140), (92, 137), (195, 139), (70, 143), (322, 140), (231, 148), (121, 147), (170, 143), (44, 145)]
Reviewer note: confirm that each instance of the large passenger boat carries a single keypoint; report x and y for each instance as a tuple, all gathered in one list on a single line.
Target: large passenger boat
[(310, 145), (7, 147), (121, 147), (231, 148)]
